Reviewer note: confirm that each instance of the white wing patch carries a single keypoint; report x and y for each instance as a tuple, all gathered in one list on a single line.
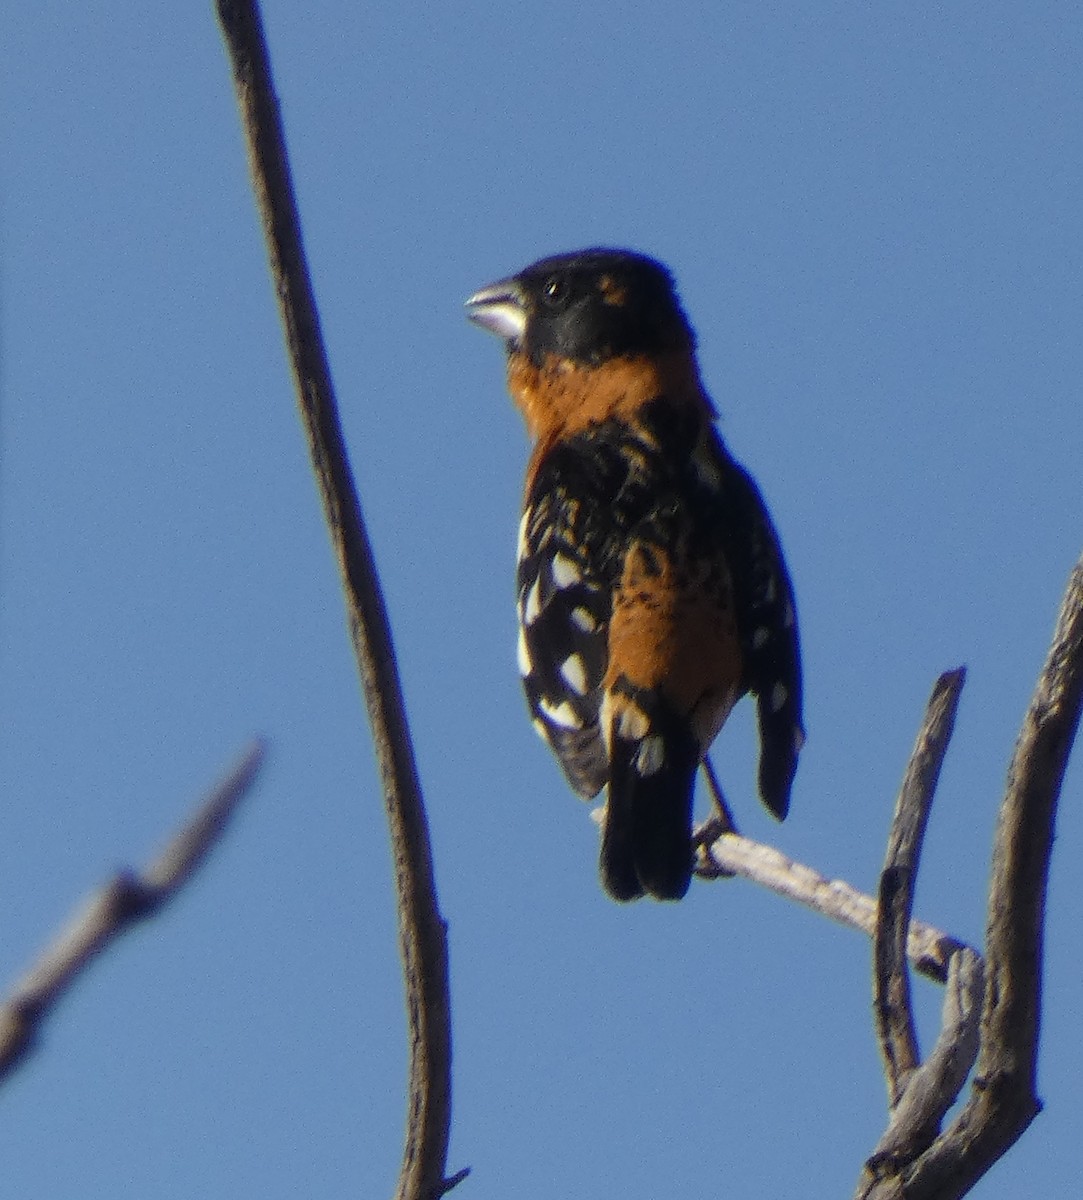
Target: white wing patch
[(564, 571), (522, 654), (574, 673), (532, 604), (583, 619), (561, 714), (632, 723), (522, 546), (651, 756)]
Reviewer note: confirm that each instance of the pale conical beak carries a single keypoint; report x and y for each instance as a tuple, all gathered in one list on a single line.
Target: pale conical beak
[(500, 308)]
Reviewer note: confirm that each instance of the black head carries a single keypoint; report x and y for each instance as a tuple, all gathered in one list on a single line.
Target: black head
[(588, 306)]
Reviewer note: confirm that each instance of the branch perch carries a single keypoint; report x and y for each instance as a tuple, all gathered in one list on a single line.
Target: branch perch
[(422, 931), (128, 898), (724, 852), (929, 949)]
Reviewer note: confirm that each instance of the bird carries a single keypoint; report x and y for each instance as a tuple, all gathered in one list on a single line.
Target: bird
[(652, 592)]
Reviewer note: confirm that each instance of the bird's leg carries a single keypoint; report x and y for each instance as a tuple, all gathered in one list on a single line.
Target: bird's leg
[(721, 821)]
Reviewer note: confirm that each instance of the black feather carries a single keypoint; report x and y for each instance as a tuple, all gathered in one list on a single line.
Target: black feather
[(767, 620), (647, 840)]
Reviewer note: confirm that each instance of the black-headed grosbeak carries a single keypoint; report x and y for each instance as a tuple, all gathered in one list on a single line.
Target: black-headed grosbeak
[(652, 591)]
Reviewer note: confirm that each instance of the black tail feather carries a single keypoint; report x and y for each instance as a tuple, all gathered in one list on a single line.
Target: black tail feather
[(781, 738), (617, 864), (647, 842)]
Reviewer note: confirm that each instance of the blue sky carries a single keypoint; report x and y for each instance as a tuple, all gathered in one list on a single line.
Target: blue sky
[(873, 217)]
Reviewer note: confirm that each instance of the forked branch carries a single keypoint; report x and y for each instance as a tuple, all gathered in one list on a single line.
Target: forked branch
[(992, 1007), (913, 1160)]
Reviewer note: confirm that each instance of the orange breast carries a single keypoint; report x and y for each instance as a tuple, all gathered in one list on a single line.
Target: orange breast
[(672, 632), (562, 398)]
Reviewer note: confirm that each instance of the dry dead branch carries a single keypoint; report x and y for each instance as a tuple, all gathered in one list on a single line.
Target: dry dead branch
[(727, 854), (891, 981), (913, 1159), (422, 931), (130, 897)]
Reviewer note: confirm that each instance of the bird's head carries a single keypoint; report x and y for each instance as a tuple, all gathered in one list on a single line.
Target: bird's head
[(585, 308)]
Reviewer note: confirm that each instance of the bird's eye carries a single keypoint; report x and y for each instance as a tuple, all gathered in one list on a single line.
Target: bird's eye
[(555, 291)]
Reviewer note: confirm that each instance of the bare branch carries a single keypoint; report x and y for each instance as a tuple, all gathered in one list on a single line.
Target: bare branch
[(932, 1088), (928, 949), (453, 1181), (1021, 855), (724, 852), (422, 932), (1003, 1098), (128, 898), (894, 1014)]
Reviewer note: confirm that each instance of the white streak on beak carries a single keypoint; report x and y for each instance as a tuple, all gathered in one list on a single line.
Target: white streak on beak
[(499, 308)]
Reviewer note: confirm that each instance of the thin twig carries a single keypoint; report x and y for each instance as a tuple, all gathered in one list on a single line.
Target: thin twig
[(422, 932), (894, 1017), (127, 899), (928, 949)]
